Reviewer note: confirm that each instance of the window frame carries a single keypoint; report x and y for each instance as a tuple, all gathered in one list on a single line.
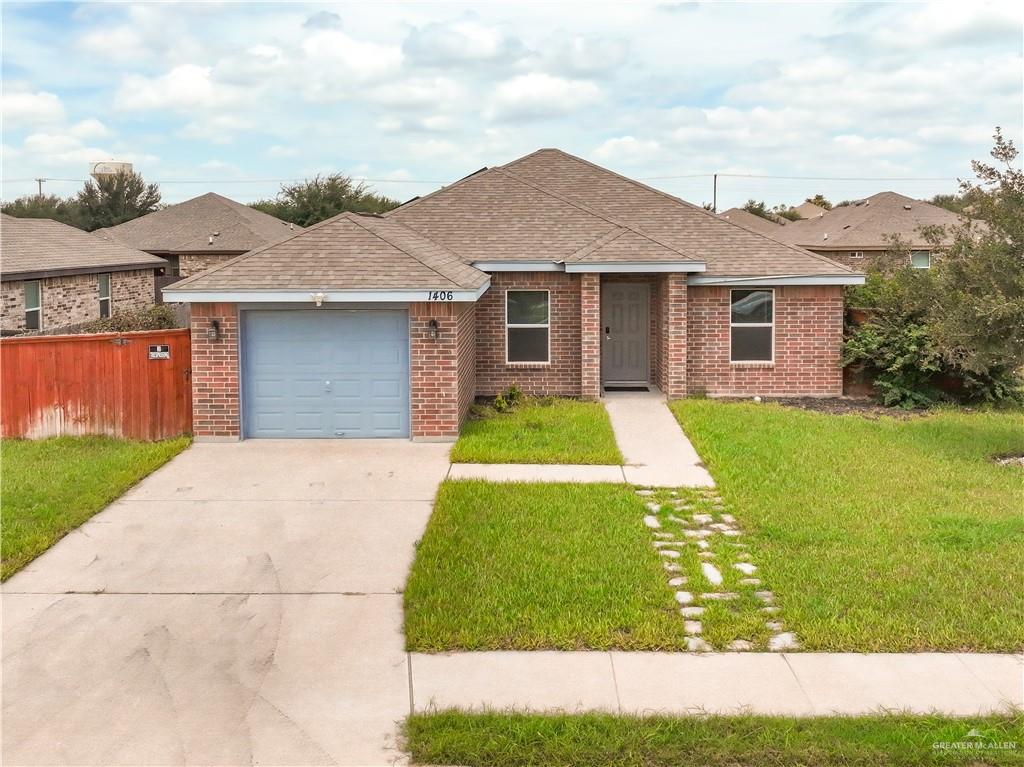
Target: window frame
[(546, 326), (39, 308), (927, 253), (771, 325), (856, 254), (108, 299)]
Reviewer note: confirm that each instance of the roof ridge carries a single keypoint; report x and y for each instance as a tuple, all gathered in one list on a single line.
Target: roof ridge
[(594, 211), (442, 188), (801, 251), (608, 237)]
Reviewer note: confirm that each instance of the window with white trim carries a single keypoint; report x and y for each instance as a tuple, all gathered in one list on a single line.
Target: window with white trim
[(921, 259), (104, 285), (33, 305), (856, 254), (751, 325), (527, 326)]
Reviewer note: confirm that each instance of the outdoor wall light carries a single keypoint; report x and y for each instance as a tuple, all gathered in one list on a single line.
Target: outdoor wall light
[(318, 298), (434, 329), (213, 332)]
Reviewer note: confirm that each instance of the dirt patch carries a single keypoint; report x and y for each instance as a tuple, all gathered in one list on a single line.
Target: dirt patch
[(1009, 460), (865, 408)]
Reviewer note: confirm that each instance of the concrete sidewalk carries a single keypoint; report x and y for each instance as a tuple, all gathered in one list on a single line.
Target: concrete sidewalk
[(656, 451), (792, 684)]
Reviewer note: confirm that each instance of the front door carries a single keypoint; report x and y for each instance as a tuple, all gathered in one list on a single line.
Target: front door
[(625, 315)]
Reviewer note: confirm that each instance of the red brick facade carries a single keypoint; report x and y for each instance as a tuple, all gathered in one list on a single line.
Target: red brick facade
[(671, 348), (808, 337), (442, 368), (215, 372), (590, 336)]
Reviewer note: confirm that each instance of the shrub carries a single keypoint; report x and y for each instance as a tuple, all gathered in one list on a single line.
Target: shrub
[(160, 317)]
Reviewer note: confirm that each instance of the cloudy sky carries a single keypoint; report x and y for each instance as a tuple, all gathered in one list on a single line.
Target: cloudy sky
[(234, 97)]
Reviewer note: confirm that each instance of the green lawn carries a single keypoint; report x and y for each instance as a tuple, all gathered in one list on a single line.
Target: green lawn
[(52, 486), (538, 566), (498, 739), (540, 430), (876, 535)]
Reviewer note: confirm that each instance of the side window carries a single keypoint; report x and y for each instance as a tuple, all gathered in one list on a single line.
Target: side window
[(527, 326), (104, 281), (751, 326), (33, 305), (921, 259)]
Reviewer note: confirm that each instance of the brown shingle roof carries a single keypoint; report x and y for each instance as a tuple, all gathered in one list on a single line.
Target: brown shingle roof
[(188, 226), (810, 210), (752, 221), (728, 249), (347, 252), (38, 247), (864, 225)]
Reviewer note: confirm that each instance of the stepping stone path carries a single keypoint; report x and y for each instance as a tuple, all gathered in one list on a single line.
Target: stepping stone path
[(682, 526)]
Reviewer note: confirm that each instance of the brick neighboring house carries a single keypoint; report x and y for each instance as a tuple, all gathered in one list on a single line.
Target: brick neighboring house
[(200, 233), (53, 275), (858, 234), (549, 272)]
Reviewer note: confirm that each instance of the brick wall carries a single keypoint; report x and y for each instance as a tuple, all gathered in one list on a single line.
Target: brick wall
[(590, 336), (562, 375), (76, 298), (441, 368), (215, 373), (197, 263), (808, 339), (672, 349)]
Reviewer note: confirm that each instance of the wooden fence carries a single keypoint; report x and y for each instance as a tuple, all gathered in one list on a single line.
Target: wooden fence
[(131, 385)]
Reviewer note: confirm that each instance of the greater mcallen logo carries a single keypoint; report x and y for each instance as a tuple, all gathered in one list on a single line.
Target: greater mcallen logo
[(975, 740)]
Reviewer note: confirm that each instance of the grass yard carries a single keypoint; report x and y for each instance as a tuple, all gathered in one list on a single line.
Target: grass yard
[(540, 430), (876, 535), (602, 740), (538, 566), (52, 486)]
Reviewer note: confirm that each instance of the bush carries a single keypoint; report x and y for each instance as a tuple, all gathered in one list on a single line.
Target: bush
[(160, 317)]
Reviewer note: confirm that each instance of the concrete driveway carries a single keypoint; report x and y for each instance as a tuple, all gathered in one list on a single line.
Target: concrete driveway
[(240, 606)]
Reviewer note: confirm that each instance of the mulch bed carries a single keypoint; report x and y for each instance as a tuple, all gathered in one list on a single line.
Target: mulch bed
[(865, 408)]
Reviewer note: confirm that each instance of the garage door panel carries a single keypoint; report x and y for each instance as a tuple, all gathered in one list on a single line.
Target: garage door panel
[(326, 373)]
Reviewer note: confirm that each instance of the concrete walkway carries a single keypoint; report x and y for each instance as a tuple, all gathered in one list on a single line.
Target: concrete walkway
[(242, 605), (656, 451), (792, 684)]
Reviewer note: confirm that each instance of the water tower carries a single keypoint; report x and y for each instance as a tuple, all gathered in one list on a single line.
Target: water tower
[(100, 170)]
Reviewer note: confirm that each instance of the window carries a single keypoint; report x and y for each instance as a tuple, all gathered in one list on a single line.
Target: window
[(104, 281), (921, 259), (751, 326), (856, 254), (527, 326), (33, 305)]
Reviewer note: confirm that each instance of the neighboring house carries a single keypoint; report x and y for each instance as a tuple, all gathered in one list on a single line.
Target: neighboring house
[(53, 275), (549, 273), (753, 221), (860, 234), (810, 210), (200, 233)]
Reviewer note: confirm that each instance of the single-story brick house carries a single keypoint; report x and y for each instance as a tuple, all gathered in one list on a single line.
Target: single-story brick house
[(550, 273), (53, 275), (199, 233)]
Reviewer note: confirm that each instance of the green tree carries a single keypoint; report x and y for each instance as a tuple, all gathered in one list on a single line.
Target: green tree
[(786, 212), (51, 206), (758, 208), (114, 199), (820, 200), (319, 198)]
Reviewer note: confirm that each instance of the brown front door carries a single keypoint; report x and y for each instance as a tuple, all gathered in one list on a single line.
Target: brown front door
[(625, 313)]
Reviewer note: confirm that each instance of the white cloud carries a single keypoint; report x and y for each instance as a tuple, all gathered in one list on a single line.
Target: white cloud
[(87, 129), (538, 96), (585, 56), (217, 129), (183, 88), (458, 43), (282, 151), (874, 147), (337, 64), (417, 93), (122, 43), (24, 108), (627, 149)]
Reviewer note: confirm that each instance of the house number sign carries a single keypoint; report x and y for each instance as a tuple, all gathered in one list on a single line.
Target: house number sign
[(439, 295), (159, 352)]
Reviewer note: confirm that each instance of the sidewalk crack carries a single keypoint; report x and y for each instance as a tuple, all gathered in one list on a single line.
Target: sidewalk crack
[(615, 683), (799, 684), (408, 666)]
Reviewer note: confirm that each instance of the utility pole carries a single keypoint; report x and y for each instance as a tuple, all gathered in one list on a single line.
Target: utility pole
[(40, 182), (714, 195)]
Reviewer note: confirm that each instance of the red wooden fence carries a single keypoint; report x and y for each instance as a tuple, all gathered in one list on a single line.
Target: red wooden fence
[(118, 384)]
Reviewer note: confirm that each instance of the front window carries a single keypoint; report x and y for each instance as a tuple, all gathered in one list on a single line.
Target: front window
[(104, 281), (921, 259), (856, 254), (527, 325), (751, 326), (33, 305)]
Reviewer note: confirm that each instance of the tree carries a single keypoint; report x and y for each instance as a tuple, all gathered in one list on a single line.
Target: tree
[(51, 206), (321, 197), (112, 200), (820, 200), (758, 208), (786, 212)]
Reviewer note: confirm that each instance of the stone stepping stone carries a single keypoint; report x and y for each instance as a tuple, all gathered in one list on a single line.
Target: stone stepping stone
[(720, 596), (692, 627), (743, 556), (784, 641), (721, 527), (662, 544), (770, 610), (732, 521), (645, 492), (703, 519), (773, 625), (750, 581), (696, 644), (652, 521), (677, 520), (746, 568), (691, 612), (741, 645), (712, 573), (677, 581), (702, 544), (696, 533), (684, 597), (764, 596), (706, 554), (671, 567), (655, 507), (664, 536), (732, 533), (670, 553)]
